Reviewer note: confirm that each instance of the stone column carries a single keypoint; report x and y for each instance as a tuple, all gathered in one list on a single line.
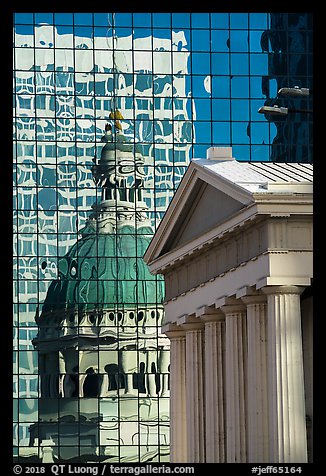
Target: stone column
[(129, 366), (178, 428), (214, 386), (257, 390), (195, 398), (62, 374), (164, 362), (47, 451), (151, 370), (235, 371), (287, 419), (104, 385)]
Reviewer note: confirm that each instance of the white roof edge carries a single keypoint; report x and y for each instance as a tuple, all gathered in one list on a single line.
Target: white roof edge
[(301, 187), (248, 176)]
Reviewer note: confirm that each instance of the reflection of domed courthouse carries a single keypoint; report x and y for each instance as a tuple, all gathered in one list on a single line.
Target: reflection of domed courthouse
[(103, 364)]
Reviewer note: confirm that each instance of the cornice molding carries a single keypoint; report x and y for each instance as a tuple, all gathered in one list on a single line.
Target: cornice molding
[(245, 218)]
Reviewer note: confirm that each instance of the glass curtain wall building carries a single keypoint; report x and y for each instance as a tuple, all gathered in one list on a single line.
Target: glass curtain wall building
[(109, 108)]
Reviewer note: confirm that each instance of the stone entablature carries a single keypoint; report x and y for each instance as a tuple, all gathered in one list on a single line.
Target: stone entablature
[(259, 237)]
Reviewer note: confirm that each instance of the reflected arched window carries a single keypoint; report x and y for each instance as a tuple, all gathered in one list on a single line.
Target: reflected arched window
[(92, 384), (115, 378)]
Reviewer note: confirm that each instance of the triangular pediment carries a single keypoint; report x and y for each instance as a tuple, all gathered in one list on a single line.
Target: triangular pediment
[(203, 200), (206, 208)]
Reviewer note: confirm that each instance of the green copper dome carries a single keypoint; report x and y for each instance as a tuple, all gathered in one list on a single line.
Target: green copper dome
[(102, 271), (105, 268)]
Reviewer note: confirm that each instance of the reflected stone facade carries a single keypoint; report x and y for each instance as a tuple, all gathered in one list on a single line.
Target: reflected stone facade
[(60, 114), (98, 343)]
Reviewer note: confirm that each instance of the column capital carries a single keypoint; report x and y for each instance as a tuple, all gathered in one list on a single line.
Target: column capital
[(210, 314), (190, 323), (283, 289), (173, 331), (258, 298), (230, 304), (218, 316)]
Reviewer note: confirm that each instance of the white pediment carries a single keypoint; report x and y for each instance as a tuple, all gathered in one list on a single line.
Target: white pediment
[(203, 200), (206, 208)]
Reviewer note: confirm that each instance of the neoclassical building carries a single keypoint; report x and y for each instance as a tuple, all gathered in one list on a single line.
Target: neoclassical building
[(235, 249)]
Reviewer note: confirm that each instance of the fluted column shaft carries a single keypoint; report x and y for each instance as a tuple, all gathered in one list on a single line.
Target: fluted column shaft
[(178, 426), (195, 399), (257, 390), (214, 386), (235, 372), (287, 425)]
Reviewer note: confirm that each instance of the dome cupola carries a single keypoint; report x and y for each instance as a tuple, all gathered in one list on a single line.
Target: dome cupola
[(105, 270)]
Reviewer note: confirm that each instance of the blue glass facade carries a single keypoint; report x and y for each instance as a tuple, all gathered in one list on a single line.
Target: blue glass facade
[(182, 82)]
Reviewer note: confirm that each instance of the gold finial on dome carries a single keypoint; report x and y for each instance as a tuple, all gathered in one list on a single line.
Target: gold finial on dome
[(117, 116), (118, 125)]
